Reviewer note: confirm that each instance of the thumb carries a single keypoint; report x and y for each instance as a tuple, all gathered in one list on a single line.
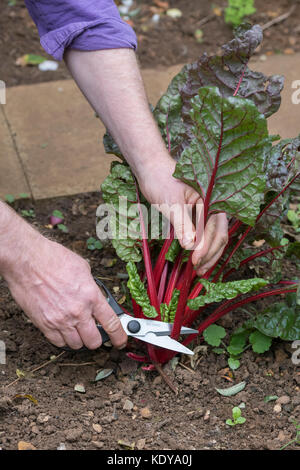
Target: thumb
[(105, 315)]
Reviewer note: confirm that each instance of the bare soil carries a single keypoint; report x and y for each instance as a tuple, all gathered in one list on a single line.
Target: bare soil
[(194, 419), (169, 42)]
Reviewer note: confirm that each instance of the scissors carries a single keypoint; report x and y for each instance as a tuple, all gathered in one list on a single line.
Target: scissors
[(150, 331)]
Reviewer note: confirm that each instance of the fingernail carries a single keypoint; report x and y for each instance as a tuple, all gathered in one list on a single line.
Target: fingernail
[(123, 346)]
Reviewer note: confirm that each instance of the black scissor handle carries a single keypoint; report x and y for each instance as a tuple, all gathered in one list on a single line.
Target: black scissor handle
[(110, 299)]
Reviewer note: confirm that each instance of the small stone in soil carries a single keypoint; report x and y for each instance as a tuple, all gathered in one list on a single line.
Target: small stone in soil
[(98, 444), (97, 428), (141, 444), (284, 400), (73, 434), (145, 413), (79, 388), (277, 408), (42, 418), (128, 405)]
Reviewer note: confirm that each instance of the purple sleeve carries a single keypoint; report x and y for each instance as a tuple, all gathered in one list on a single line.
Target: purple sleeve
[(85, 25)]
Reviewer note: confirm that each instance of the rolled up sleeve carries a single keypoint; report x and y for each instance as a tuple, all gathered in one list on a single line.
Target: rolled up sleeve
[(82, 25)]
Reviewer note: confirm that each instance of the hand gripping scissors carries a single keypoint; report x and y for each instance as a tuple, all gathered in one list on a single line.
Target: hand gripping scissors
[(150, 331)]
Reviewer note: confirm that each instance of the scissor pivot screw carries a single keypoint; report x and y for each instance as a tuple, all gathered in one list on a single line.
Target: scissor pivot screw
[(134, 326)]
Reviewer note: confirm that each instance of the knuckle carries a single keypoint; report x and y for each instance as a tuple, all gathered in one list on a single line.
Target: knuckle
[(224, 239), (52, 322), (113, 325)]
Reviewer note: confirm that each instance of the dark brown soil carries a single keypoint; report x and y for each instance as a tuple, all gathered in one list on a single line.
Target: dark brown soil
[(194, 419), (169, 42)]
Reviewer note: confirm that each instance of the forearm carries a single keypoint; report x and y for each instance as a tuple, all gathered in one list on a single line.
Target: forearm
[(112, 83), (17, 240)]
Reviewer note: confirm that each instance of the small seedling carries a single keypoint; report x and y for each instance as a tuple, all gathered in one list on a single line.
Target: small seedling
[(93, 244), (57, 213), (9, 198), (237, 10), (237, 417), (28, 213), (24, 196), (63, 228)]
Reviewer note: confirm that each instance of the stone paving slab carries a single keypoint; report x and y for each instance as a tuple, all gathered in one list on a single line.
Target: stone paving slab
[(12, 178), (59, 140), (58, 137)]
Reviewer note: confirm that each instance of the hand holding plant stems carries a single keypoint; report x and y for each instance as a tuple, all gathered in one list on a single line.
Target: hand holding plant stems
[(213, 121)]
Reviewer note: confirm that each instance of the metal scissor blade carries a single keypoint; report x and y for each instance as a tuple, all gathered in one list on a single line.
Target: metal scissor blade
[(158, 327), (165, 342)]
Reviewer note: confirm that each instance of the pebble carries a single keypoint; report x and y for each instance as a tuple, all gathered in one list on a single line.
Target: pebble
[(97, 428), (284, 400), (128, 405), (281, 436), (155, 18), (277, 408), (157, 380), (116, 397), (207, 415), (43, 418), (141, 444), (145, 413), (62, 446), (289, 51), (263, 58), (73, 434), (98, 444), (22, 445), (79, 388), (35, 430), (48, 65)]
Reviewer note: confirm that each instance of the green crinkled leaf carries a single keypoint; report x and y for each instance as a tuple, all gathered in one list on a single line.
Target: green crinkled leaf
[(119, 190), (225, 72), (168, 312), (119, 193), (110, 146), (279, 321), (280, 168), (260, 342), (225, 147), (168, 110), (139, 292), (225, 290), (214, 334)]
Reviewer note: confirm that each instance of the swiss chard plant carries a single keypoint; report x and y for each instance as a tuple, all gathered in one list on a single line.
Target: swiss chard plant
[(213, 119)]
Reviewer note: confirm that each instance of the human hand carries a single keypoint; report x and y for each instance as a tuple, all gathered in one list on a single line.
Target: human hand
[(56, 290), (160, 188)]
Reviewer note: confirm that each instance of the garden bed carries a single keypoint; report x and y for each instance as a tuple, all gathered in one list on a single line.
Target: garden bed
[(194, 419), (169, 42)]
